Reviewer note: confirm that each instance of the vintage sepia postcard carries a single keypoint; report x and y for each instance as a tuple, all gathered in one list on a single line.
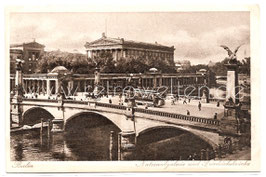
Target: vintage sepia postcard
[(93, 89)]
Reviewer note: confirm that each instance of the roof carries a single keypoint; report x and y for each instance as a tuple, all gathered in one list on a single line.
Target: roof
[(58, 69), (16, 51), (127, 43), (202, 70), (153, 69), (34, 44)]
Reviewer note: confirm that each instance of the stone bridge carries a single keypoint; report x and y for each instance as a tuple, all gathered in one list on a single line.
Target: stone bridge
[(131, 125)]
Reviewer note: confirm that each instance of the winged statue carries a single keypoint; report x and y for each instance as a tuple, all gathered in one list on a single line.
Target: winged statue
[(232, 55)]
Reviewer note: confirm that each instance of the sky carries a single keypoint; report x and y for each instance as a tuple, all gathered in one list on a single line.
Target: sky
[(196, 36)]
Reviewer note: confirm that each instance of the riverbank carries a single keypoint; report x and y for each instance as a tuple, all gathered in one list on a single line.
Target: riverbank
[(244, 154)]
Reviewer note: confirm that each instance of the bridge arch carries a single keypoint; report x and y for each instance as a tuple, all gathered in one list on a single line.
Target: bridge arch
[(196, 133), (34, 115), (93, 116), (170, 142)]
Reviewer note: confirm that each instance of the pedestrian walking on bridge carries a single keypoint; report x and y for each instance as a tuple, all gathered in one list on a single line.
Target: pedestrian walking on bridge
[(173, 101), (199, 106), (215, 116)]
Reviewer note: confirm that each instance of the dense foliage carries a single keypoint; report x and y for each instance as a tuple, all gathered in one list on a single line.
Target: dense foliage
[(219, 68), (78, 63)]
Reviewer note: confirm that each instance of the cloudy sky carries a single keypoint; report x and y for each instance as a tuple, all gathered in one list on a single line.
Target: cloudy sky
[(196, 36)]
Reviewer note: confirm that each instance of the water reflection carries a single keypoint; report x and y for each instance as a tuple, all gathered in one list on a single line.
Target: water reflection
[(86, 144), (92, 143)]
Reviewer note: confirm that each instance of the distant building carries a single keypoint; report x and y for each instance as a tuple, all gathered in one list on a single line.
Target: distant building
[(121, 48), (29, 52)]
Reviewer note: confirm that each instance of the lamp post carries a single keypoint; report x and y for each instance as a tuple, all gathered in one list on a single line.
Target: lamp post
[(127, 138)]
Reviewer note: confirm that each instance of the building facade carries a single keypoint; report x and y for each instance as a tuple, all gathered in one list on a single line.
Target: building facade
[(29, 52), (121, 48)]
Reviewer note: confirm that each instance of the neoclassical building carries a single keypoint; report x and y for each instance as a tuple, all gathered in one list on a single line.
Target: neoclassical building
[(30, 52), (122, 48)]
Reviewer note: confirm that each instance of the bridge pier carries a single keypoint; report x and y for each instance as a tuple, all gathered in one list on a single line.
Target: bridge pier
[(127, 145), (57, 125), (16, 113)]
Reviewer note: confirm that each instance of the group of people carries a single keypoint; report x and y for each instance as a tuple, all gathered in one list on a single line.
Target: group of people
[(185, 102)]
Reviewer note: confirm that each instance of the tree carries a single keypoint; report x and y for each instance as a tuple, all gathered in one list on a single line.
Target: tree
[(245, 67), (72, 61), (104, 61)]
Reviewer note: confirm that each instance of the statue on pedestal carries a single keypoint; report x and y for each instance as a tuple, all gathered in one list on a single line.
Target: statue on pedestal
[(18, 80), (232, 55), (230, 121)]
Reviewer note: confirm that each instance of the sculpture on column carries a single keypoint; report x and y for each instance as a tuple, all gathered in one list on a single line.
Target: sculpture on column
[(96, 81), (232, 74), (16, 108), (230, 121), (231, 55), (18, 84)]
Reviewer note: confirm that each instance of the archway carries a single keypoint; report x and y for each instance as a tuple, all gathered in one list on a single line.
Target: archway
[(88, 136), (34, 115), (171, 143)]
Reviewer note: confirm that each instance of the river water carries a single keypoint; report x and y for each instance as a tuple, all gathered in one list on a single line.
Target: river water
[(92, 144)]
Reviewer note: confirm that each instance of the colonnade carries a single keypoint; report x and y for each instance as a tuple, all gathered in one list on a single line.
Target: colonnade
[(51, 86), (116, 53)]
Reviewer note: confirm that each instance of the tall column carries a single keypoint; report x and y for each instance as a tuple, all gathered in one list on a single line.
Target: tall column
[(154, 82), (34, 86), (78, 85), (48, 87), (26, 86), (43, 86), (16, 108), (29, 86), (123, 52), (232, 82), (57, 87), (160, 81), (89, 53), (115, 54), (85, 85), (97, 80), (38, 86), (230, 123)]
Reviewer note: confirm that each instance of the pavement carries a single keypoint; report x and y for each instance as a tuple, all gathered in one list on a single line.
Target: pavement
[(207, 109)]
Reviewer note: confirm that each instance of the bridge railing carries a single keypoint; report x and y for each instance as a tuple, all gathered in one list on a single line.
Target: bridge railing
[(179, 116), (111, 105), (75, 102), (40, 100), (208, 121)]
